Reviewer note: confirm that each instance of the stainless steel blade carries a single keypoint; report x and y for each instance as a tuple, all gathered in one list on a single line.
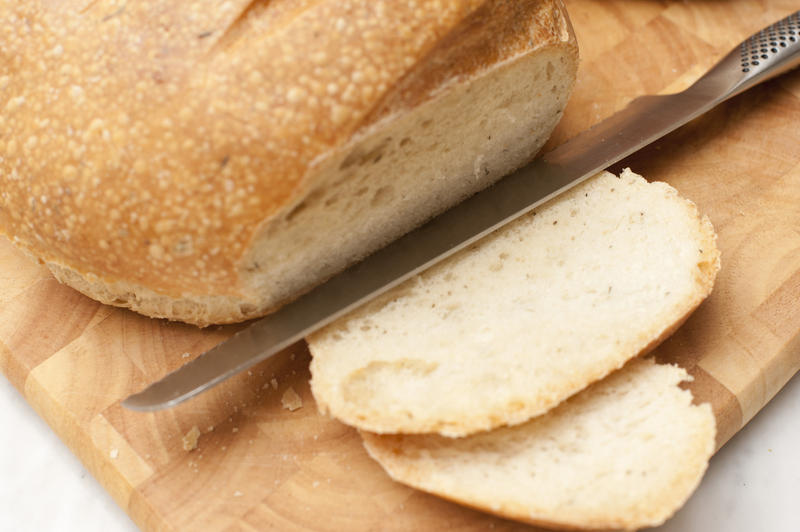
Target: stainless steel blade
[(643, 121)]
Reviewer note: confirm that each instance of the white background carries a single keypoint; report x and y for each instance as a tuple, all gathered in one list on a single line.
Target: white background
[(753, 483)]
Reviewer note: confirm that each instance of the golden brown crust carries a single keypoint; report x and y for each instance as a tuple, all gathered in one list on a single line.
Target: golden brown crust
[(515, 28), (197, 310), (145, 144)]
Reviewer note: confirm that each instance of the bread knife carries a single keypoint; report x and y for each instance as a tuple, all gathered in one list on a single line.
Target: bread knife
[(766, 54)]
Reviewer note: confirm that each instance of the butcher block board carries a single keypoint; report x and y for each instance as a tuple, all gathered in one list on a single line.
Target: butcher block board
[(259, 466)]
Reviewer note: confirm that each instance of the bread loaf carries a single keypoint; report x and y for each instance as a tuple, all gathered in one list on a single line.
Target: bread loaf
[(209, 161), (625, 453), (528, 316)]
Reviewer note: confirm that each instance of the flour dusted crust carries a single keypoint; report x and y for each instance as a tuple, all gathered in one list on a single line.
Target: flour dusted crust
[(154, 152)]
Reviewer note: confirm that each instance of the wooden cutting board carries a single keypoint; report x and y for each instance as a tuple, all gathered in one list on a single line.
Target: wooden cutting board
[(259, 466)]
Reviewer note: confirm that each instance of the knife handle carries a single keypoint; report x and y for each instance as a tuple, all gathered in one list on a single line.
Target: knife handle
[(764, 55)]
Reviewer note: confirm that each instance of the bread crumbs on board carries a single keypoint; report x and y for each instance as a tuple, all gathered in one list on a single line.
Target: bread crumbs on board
[(290, 400), (190, 439)]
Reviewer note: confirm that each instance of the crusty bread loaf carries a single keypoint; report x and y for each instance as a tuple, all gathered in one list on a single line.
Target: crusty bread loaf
[(209, 161), (530, 315), (625, 453)]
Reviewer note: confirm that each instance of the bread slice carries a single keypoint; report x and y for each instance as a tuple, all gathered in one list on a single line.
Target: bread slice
[(527, 317), (213, 172), (623, 454)]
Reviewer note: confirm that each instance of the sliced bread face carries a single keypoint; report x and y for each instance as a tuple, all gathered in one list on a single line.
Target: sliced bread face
[(529, 316), (625, 453)]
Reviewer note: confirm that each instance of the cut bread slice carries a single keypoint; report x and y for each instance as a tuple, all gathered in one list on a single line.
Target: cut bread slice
[(529, 316), (625, 453)]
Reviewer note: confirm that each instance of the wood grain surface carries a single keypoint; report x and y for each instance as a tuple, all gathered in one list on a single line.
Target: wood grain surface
[(258, 466)]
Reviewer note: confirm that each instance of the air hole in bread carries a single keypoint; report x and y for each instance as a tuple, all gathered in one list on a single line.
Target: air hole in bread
[(369, 380), (363, 155), (376, 154), (508, 101), (297, 210), (347, 162), (382, 196), (311, 199)]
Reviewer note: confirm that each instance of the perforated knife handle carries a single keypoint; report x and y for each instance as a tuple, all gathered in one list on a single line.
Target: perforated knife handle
[(766, 54)]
